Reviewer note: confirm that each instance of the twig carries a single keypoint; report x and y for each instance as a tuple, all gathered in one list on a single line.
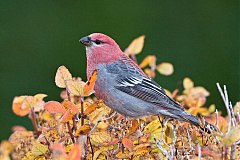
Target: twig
[(216, 123), (199, 152), (70, 132), (225, 100), (82, 110), (88, 139), (33, 118)]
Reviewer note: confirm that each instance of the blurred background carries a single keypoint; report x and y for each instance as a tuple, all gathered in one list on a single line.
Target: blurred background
[(200, 38)]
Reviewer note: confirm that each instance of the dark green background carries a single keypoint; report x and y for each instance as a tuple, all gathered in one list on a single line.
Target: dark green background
[(37, 36)]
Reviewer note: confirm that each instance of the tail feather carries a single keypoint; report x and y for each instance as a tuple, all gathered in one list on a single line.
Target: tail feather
[(203, 125)]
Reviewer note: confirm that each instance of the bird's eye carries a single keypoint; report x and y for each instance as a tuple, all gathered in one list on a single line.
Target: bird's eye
[(98, 42)]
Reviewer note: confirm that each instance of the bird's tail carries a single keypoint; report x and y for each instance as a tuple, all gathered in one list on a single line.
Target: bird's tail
[(202, 124)]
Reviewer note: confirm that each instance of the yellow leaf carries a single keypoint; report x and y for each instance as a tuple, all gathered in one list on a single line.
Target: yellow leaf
[(212, 108), (62, 76), (236, 108), (102, 126), (83, 130), (143, 145), (232, 136), (187, 83), (75, 87), (39, 149), (39, 97), (97, 153), (100, 137), (6, 148), (149, 60), (165, 68), (152, 126), (89, 86), (124, 155), (141, 151), (135, 46)]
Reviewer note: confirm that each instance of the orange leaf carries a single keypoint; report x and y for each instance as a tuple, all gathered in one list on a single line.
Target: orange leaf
[(66, 117), (70, 107), (16, 106), (149, 60), (83, 130), (90, 108), (54, 107), (135, 126), (89, 86), (58, 151), (150, 73), (127, 143), (135, 46), (75, 153), (62, 76)]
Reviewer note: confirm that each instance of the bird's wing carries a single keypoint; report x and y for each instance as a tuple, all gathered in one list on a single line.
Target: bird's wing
[(132, 81), (146, 90)]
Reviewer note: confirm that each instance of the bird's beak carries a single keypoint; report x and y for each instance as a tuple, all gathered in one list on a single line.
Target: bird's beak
[(86, 41)]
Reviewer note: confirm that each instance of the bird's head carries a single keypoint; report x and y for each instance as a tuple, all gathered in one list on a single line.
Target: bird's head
[(101, 48)]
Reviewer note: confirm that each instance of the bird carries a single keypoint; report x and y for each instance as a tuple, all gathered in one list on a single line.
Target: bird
[(123, 86)]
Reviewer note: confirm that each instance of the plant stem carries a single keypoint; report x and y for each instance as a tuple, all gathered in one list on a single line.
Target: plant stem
[(82, 111), (70, 132), (33, 118)]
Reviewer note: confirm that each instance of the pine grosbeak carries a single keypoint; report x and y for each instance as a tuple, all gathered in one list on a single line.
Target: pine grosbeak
[(124, 87)]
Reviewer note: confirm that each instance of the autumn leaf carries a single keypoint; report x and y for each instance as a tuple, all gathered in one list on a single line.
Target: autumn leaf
[(135, 46), (232, 136), (17, 106), (91, 108), (18, 128), (187, 83), (135, 126), (165, 68), (196, 91), (70, 107), (39, 149), (83, 130), (89, 86), (75, 153), (62, 76), (75, 87), (122, 155), (149, 60), (127, 143), (150, 73), (54, 107), (58, 151), (100, 137), (236, 108)]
